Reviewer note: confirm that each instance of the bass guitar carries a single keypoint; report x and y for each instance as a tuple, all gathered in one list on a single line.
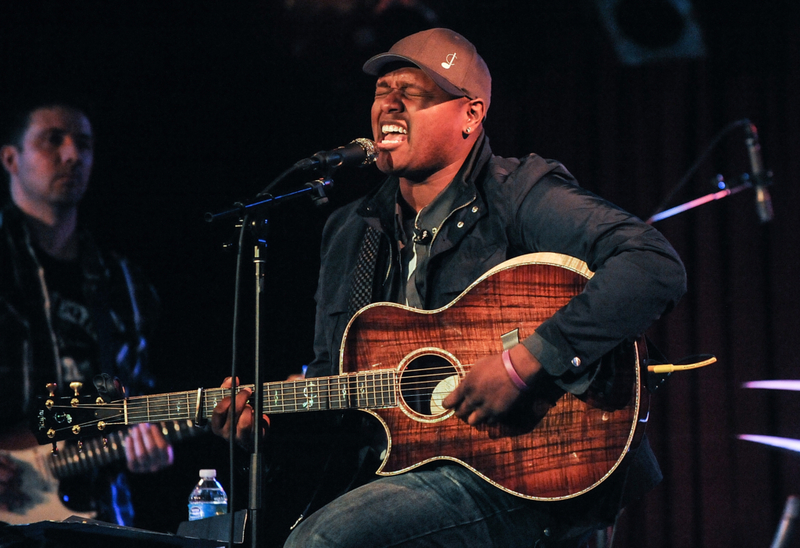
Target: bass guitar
[(398, 363)]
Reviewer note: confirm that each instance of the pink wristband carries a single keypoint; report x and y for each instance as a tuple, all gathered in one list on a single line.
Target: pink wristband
[(515, 378)]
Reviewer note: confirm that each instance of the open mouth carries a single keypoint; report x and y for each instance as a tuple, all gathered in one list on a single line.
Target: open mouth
[(393, 133)]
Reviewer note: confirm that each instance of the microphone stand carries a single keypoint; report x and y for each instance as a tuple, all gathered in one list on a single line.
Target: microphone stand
[(252, 216), (239, 210), (691, 204), (662, 213)]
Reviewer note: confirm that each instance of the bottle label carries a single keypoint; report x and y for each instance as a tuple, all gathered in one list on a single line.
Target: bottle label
[(202, 510)]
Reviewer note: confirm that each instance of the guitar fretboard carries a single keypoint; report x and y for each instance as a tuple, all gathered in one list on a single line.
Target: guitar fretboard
[(369, 390)]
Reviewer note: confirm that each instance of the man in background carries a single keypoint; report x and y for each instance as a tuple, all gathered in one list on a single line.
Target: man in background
[(69, 310)]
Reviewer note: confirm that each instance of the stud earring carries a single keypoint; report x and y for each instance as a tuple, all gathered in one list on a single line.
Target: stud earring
[(468, 130)]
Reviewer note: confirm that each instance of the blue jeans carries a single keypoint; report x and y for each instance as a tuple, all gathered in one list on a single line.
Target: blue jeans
[(444, 506)]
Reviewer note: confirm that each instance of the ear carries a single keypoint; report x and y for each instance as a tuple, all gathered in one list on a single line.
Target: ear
[(476, 111), (8, 155)]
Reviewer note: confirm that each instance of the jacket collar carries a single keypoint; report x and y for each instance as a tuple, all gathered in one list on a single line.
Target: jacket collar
[(378, 208)]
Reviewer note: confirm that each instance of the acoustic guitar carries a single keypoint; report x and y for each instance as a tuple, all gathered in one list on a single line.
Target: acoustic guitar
[(398, 363)]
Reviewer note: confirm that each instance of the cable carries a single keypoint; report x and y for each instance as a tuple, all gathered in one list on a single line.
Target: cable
[(669, 367)]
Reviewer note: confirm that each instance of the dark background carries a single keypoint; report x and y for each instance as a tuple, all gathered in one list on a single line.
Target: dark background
[(198, 104)]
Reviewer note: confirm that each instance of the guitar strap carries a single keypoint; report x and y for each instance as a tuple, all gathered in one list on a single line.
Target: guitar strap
[(362, 283)]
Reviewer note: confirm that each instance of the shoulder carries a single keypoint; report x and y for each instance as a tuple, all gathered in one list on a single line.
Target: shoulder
[(126, 279), (343, 219), (515, 177), (528, 170), (376, 208), (346, 213)]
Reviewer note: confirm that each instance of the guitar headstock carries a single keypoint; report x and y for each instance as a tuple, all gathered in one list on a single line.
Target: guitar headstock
[(76, 416)]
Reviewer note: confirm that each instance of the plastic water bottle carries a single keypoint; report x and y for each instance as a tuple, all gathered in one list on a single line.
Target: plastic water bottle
[(208, 499)]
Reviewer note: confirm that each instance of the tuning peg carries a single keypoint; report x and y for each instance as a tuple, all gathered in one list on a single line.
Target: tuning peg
[(51, 388), (54, 450), (76, 387)]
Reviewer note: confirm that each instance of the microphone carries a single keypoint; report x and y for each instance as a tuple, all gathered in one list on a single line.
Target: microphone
[(761, 179), (359, 152)]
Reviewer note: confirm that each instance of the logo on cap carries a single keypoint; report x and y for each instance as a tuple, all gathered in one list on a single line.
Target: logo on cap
[(449, 60)]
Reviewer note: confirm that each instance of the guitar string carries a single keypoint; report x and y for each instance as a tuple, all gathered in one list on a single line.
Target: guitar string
[(296, 390), (413, 374), (296, 393), (164, 406)]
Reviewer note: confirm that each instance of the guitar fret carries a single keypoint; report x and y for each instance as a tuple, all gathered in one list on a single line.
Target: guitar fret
[(337, 393), (311, 396), (291, 401), (271, 398), (369, 383), (373, 393), (299, 396), (320, 394), (347, 390), (362, 399), (210, 399), (286, 401), (323, 393), (387, 391)]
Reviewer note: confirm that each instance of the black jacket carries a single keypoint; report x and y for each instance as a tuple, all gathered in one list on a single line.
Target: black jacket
[(503, 208), (124, 309), (506, 208), (125, 305)]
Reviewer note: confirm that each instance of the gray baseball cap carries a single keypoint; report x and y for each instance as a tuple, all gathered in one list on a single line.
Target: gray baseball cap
[(446, 57)]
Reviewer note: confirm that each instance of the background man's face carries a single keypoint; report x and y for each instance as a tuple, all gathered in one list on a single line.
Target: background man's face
[(55, 161)]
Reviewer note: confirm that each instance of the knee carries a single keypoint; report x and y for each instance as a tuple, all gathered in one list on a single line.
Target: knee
[(309, 534)]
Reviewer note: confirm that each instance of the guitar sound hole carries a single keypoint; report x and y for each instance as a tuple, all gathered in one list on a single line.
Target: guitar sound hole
[(425, 382)]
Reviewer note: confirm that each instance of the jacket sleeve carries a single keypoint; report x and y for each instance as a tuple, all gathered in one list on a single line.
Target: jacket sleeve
[(638, 276)]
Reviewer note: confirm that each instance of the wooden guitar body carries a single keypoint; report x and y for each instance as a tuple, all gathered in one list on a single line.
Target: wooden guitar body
[(563, 447)]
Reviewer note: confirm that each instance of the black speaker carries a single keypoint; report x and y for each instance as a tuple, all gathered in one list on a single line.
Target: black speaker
[(644, 31)]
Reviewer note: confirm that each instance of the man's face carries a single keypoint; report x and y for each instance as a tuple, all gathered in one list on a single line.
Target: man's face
[(416, 124), (54, 163)]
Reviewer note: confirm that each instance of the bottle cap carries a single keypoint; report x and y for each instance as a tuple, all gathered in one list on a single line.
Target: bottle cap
[(208, 473)]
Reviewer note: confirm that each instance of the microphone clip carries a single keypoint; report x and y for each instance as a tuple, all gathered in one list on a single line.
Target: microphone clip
[(422, 237)]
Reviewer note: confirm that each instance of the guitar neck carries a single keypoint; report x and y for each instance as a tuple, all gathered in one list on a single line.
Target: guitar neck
[(74, 460), (369, 390)]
